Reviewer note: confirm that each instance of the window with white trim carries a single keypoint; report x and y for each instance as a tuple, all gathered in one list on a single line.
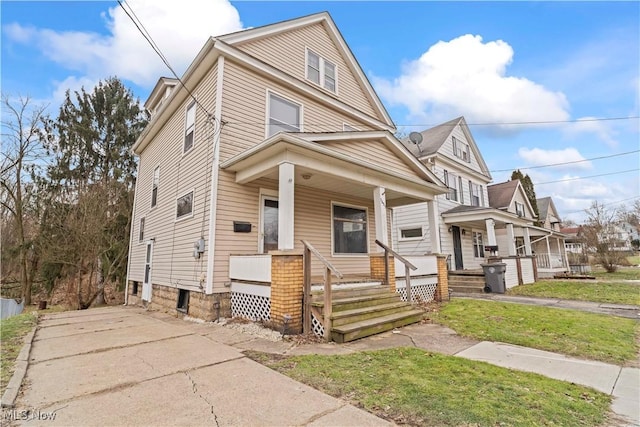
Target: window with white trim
[(154, 186), (461, 150), (141, 231), (519, 209), (451, 181), (349, 229), (189, 127), (520, 250), (411, 233), (478, 245), (475, 191), (184, 205), (284, 115), (320, 71), (461, 198)]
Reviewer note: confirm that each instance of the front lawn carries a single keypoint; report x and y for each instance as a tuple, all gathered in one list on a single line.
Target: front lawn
[(12, 333), (607, 292), (575, 333), (412, 387), (623, 273)]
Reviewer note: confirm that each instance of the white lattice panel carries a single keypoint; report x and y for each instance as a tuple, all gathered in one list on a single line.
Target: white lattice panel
[(316, 326), (252, 307), (423, 289)]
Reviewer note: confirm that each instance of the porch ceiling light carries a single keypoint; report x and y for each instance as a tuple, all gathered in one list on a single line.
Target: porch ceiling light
[(306, 176)]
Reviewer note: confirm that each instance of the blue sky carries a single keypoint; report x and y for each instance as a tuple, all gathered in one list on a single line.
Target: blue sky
[(570, 63)]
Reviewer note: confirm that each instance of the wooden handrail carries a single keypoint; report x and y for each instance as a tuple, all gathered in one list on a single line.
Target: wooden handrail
[(407, 265), (328, 269)]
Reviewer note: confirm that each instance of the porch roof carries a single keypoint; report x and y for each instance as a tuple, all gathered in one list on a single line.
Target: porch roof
[(535, 231), (475, 216), (323, 167)]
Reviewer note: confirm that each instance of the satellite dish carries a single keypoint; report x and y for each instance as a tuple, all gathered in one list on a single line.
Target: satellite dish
[(415, 137)]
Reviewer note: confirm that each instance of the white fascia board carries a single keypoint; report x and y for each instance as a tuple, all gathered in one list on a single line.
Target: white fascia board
[(253, 34), (298, 85), (474, 147), (482, 214), (454, 166)]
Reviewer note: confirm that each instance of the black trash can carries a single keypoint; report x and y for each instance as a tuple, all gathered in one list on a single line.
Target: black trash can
[(494, 277)]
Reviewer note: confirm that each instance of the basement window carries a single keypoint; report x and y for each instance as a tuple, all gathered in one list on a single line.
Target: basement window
[(135, 288), (183, 301)]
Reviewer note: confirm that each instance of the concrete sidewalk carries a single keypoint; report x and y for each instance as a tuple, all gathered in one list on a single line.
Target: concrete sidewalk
[(121, 366)]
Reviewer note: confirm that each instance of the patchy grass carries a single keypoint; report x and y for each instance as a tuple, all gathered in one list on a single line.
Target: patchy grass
[(608, 292), (634, 260), (571, 332), (12, 332), (412, 387), (623, 273)]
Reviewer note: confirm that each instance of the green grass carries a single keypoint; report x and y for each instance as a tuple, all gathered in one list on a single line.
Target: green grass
[(412, 387), (571, 332), (623, 273), (608, 292), (12, 332), (634, 260)]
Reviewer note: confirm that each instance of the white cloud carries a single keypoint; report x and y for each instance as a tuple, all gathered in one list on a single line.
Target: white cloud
[(590, 125), (539, 157), (467, 77), (176, 28)]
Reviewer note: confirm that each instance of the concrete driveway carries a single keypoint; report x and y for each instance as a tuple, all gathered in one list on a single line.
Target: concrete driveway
[(122, 366)]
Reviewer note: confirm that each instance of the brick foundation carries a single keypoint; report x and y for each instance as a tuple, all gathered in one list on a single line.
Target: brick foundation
[(376, 262), (442, 290), (287, 276)]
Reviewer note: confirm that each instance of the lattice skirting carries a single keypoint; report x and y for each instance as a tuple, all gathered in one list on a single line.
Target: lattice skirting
[(316, 326), (423, 289), (252, 307)]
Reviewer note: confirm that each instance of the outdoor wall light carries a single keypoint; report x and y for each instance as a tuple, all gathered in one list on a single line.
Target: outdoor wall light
[(306, 176)]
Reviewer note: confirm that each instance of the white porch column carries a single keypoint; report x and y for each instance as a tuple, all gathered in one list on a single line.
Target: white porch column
[(511, 240), (548, 249), (285, 205), (380, 212), (434, 226), (491, 231), (527, 241)]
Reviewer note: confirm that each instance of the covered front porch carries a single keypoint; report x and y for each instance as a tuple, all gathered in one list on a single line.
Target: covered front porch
[(328, 192), (549, 249)]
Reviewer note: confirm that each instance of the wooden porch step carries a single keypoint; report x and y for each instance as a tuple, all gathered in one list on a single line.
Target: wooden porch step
[(354, 302), (346, 292), (343, 317), (365, 328), (467, 289)]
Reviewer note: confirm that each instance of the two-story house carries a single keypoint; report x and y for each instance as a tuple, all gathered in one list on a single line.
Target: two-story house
[(272, 137)]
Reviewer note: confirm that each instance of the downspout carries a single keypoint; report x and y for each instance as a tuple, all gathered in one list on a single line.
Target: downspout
[(133, 215)]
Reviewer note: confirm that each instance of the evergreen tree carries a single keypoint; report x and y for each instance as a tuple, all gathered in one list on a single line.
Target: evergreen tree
[(527, 185)]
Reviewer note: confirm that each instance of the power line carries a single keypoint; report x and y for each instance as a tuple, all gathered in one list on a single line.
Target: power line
[(585, 177), (604, 204), (568, 163), (540, 122), (147, 36)]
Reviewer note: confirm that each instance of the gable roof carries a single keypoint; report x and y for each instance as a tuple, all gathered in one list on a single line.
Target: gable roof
[(433, 139), (544, 204), (325, 19), (501, 195)]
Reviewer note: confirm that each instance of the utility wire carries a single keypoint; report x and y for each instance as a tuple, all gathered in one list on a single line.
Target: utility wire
[(604, 204), (567, 163), (585, 177)]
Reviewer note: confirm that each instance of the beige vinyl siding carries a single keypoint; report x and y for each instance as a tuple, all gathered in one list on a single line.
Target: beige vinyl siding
[(521, 198), (173, 263), (312, 223), (244, 108), (447, 150), (287, 52), (373, 151)]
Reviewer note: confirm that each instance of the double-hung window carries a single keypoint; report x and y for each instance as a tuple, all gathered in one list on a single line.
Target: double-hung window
[(519, 209), (141, 231), (349, 230), (478, 245), (189, 127), (451, 181), (154, 186), (320, 71), (461, 150), (476, 194), (284, 115)]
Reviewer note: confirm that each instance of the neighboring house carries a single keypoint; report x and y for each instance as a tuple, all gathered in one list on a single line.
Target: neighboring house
[(576, 250), (549, 244), (464, 224), (619, 236), (279, 138)]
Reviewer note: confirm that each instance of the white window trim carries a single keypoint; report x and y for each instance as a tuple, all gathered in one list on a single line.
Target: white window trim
[(265, 193), (184, 132), (473, 245), (348, 205), (152, 180), (193, 205), (270, 92), (141, 227), (321, 62), (410, 227)]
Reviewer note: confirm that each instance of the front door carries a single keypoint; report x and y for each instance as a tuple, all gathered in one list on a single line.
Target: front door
[(146, 284), (269, 224), (457, 247)]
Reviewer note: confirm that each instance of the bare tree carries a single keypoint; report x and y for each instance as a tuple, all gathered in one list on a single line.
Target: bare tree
[(21, 150), (601, 237)]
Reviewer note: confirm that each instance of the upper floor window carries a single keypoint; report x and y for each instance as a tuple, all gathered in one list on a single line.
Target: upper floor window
[(519, 209), (477, 197), (461, 193), (320, 71), (451, 181), (284, 115), (141, 231), (461, 150), (189, 127), (154, 186), (349, 230), (184, 206)]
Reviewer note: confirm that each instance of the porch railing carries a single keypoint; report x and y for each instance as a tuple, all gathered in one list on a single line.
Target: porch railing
[(407, 266), (547, 260), (328, 269)]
